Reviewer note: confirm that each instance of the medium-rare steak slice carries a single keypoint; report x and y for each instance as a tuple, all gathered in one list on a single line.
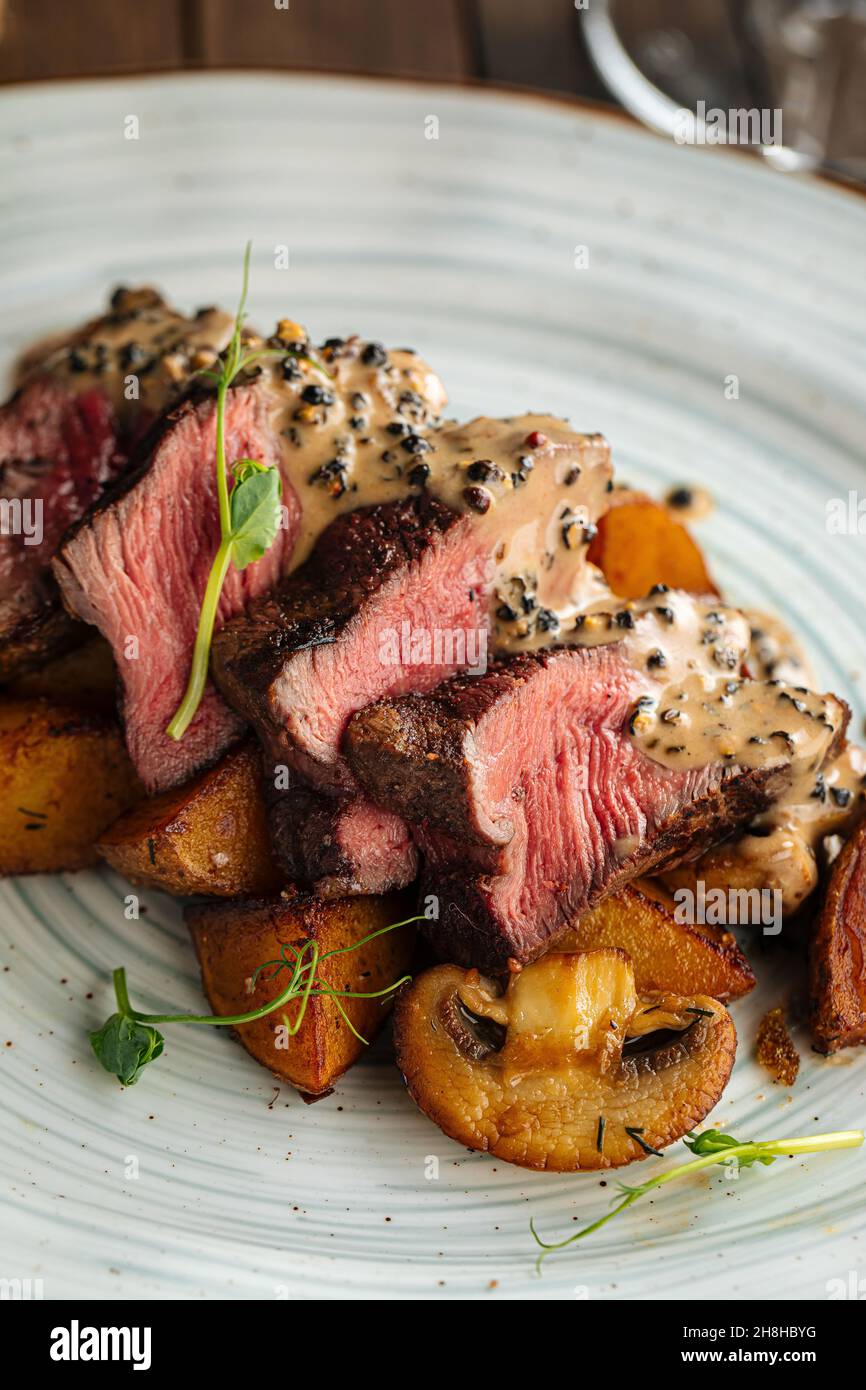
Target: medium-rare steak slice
[(552, 780), (138, 565), (306, 657), (398, 596), (57, 452), (339, 845), (65, 436)]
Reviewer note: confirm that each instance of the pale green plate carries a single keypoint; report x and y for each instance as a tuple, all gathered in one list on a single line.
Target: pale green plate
[(702, 265)]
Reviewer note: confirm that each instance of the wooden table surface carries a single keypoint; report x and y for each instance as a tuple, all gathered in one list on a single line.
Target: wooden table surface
[(534, 43)]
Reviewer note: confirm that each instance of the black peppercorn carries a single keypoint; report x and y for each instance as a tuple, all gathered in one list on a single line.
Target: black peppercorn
[(419, 474), (484, 471), (374, 355), (317, 395), (132, 355), (332, 476), (680, 497), (547, 620), (414, 444)]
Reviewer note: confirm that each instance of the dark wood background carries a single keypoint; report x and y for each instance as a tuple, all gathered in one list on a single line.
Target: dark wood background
[(526, 42)]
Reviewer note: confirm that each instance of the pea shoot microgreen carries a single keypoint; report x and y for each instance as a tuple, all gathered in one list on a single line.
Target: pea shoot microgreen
[(710, 1147), (250, 515), (129, 1040)]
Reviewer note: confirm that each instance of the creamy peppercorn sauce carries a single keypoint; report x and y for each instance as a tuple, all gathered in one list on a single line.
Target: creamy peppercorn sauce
[(696, 707), (141, 353), (362, 425), (775, 653), (366, 429)]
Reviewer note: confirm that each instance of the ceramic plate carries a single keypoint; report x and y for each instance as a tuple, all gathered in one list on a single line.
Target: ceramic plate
[(706, 315)]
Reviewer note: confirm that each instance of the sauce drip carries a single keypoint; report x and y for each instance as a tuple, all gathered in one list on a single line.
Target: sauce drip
[(694, 707), (690, 503), (774, 651)]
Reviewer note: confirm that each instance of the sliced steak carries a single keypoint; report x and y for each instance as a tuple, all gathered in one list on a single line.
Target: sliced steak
[(337, 845), (136, 567), (57, 451), (65, 436), (303, 659), (532, 799), (398, 596)]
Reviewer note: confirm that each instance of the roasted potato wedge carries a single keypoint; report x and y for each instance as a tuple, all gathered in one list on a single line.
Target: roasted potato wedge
[(837, 962), (64, 776), (668, 956), (568, 1068), (86, 675), (783, 862), (209, 836), (639, 543), (233, 939)]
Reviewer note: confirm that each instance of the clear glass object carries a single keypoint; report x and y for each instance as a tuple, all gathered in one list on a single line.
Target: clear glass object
[(803, 58)]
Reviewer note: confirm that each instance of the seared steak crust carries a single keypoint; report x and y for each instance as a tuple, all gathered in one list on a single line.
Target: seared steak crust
[(271, 664), (340, 845), (471, 929)]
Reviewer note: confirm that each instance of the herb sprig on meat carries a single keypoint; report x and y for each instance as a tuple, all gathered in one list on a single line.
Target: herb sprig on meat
[(250, 514)]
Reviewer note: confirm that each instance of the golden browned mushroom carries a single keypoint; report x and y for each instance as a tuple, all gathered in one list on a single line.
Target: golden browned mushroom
[(566, 1069)]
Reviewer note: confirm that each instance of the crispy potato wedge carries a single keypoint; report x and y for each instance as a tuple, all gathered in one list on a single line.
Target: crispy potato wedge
[(783, 862), (64, 776), (639, 543), (86, 676), (233, 939), (668, 956), (837, 960), (209, 836)]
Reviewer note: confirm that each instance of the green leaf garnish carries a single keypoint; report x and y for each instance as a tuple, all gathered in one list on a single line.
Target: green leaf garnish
[(711, 1147), (712, 1141), (124, 1046), (249, 516), (128, 1041), (255, 511)]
